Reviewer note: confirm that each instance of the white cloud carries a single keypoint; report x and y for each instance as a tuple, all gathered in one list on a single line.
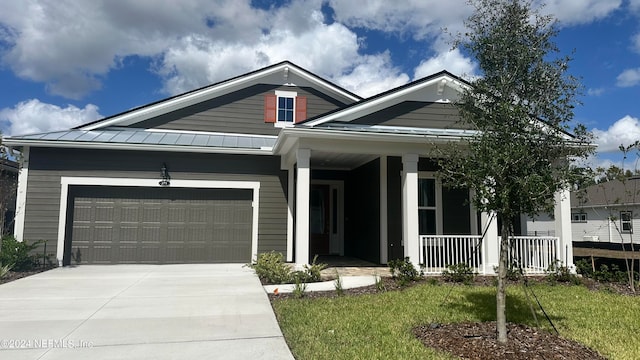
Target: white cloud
[(635, 42), (625, 131), (33, 116), (634, 5), (628, 78), (580, 12), (71, 44), (331, 51), (453, 61), (595, 91), (420, 18), (373, 75)]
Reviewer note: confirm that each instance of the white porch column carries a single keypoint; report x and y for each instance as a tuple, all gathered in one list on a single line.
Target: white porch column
[(21, 200), (290, 206), (562, 214), (383, 211), (303, 157), (410, 226), (490, 243)]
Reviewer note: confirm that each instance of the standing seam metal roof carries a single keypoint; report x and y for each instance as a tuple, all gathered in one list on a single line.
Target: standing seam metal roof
[(115, 135)]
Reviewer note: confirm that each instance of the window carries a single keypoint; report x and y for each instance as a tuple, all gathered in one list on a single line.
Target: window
[(284, 108), (625, 221), (578, 218), (427, 206)]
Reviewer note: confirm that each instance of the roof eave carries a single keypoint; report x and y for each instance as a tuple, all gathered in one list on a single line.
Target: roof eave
[(138, 147)]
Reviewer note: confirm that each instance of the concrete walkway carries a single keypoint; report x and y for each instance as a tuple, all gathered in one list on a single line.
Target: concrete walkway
[(139, 312)]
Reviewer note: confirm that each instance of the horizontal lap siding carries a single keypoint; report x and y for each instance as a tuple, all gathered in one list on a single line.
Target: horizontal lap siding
[(48, 165), (238, 112), (415, 114)]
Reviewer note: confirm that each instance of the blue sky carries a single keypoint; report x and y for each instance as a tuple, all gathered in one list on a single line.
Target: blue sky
[(68, 62)]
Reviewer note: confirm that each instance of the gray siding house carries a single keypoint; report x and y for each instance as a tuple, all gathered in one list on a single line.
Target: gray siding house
[(276, 159)]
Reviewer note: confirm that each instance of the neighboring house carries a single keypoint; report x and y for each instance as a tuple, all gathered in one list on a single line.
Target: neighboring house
[(606, 212), (276, 159), (8, 188), (602, 216)]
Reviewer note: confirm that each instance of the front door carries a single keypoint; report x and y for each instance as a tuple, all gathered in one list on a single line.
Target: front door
[(319, 220)]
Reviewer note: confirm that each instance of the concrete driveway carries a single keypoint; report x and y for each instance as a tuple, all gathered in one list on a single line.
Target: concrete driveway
[(208, 311)]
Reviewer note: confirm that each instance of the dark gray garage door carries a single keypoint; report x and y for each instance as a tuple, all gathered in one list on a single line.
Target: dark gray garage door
[(112, 225)]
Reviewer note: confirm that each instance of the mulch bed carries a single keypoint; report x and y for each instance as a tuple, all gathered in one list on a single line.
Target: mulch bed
[(15, 275), (479, 340)]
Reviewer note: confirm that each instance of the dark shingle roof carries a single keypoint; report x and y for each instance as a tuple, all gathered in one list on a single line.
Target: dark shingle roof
[(613, 192)]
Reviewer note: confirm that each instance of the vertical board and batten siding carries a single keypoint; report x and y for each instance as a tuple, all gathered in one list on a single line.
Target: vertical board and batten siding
[(415, 114), (47, 166), (238, 112)]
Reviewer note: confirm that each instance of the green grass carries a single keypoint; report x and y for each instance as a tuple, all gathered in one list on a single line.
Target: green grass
[(379, 326)]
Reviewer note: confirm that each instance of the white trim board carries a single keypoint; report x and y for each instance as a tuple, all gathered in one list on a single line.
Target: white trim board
[(21, 198), (67, 181)]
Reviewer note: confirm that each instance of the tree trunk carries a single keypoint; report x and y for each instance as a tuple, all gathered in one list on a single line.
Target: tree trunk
[(501, 299)]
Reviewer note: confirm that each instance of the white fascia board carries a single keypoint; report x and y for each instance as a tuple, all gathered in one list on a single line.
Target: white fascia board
[(140, 147), (196, 97), (382, 102), (354, 135)]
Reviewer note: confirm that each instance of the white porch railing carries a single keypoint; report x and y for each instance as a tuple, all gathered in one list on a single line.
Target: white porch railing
[(438, 251), (534, 254)]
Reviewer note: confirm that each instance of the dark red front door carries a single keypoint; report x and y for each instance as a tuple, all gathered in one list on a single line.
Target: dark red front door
[(319, 220)]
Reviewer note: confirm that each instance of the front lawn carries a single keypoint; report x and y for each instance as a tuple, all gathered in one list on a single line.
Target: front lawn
[(378, 326)]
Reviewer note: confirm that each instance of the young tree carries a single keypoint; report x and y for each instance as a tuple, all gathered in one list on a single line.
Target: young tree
[(7, 186), (522, 107)]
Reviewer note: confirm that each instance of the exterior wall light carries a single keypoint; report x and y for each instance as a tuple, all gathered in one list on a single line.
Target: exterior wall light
[(164, 173)]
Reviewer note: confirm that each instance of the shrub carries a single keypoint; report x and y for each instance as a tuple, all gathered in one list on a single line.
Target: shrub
[(513, 273), (271, 268), (604, 273), (313, 270), (17, 254), (4, 270), (584, 268), (403, 271), (380, 287), (299, 289), (559, 273), (337, 283), (461, 273)]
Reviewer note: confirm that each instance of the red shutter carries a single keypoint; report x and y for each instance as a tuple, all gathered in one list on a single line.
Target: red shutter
[(270, 108), (301, 108)]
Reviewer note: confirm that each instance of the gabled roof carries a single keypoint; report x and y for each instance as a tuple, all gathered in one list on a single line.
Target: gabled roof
[(610, 193), (279, 74), (439, 87)]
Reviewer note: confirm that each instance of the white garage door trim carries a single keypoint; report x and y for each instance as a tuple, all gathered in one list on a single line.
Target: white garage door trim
[(67, 181)]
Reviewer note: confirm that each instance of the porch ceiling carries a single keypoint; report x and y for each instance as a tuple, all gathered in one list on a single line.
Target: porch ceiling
[(338, 161)]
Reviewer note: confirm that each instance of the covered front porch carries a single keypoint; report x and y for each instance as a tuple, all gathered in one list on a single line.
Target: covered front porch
[(383, 207)]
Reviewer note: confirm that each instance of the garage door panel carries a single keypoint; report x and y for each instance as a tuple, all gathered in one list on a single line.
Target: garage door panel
[(134, 225)]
